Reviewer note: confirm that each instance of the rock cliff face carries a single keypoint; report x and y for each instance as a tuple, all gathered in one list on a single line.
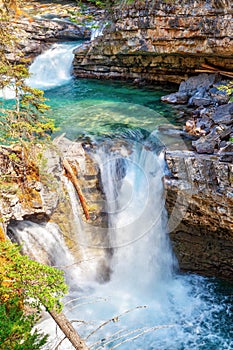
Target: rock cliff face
[(40, 25), (160, 41), (38, 191), (199, 200)]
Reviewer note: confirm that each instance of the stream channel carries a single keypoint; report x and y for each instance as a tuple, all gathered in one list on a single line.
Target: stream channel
[(148, 302)]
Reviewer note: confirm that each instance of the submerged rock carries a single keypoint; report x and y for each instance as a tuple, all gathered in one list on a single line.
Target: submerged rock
[(177, 98)]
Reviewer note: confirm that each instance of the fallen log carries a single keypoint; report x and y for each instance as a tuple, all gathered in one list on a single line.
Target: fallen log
[(69, 331), (74, 181), (211, 69)]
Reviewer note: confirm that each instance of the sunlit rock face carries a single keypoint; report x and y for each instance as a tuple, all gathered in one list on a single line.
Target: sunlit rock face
[(200, 209), (160, 41)]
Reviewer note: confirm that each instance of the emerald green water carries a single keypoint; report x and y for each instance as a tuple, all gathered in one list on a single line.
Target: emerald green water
[(96, 108), (203, 314), (199, 309)]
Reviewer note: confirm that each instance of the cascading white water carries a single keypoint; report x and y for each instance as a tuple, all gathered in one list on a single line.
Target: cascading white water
[(50, 69), (135, 205), (182, 311), (45, 243), (148, 306), (53, 67), (41, 241)]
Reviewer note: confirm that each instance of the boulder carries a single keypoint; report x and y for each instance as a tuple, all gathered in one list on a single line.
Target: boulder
[(200, 101), (224, 114), (176, 98), (201, 81), (205, 145), (220, 97), (226, 153)]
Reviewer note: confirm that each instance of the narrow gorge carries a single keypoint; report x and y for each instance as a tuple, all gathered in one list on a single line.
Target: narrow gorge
[(133, 197)]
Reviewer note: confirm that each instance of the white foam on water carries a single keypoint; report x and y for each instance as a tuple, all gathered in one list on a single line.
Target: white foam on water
[(53, 67)]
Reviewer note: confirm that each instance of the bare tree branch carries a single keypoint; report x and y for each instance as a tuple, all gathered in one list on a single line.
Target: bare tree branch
[(87, 303), (60, 342), (114, 319), (140, 334)]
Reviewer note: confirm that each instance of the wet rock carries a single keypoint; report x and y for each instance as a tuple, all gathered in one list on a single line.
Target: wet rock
[(79, 33), (224, 114), (176, 98)]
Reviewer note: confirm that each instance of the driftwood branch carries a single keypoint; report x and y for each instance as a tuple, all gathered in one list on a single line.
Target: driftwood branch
[(74, 180), (211, 69), (69, 331)]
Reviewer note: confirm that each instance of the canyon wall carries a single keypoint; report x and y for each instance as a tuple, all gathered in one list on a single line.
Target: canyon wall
[(160, 41), (199, 200), (169, 41)]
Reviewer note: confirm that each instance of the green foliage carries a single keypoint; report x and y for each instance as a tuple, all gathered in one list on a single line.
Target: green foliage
[(107, 4), (25, 285), (15, 328), (38, 284), (25, 119), (228, 89)]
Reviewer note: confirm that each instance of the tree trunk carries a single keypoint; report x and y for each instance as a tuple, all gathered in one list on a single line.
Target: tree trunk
[(74, 181), (68, 330)]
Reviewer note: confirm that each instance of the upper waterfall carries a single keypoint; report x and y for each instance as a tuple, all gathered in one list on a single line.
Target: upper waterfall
[(53, 67)]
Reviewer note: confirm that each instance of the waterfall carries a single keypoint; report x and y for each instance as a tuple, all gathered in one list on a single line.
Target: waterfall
[(132, 180), (144, 304), (50, 69), (40, 242), (53, 67)]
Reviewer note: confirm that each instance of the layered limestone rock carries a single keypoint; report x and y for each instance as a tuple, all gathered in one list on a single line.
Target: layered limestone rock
[(20, 185), (34, 186), (160, 41), (41, 24), (199, 189), (199, 200), (39, 190)]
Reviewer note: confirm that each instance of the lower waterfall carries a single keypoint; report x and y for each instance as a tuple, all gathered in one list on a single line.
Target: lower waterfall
[(145, 304)]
